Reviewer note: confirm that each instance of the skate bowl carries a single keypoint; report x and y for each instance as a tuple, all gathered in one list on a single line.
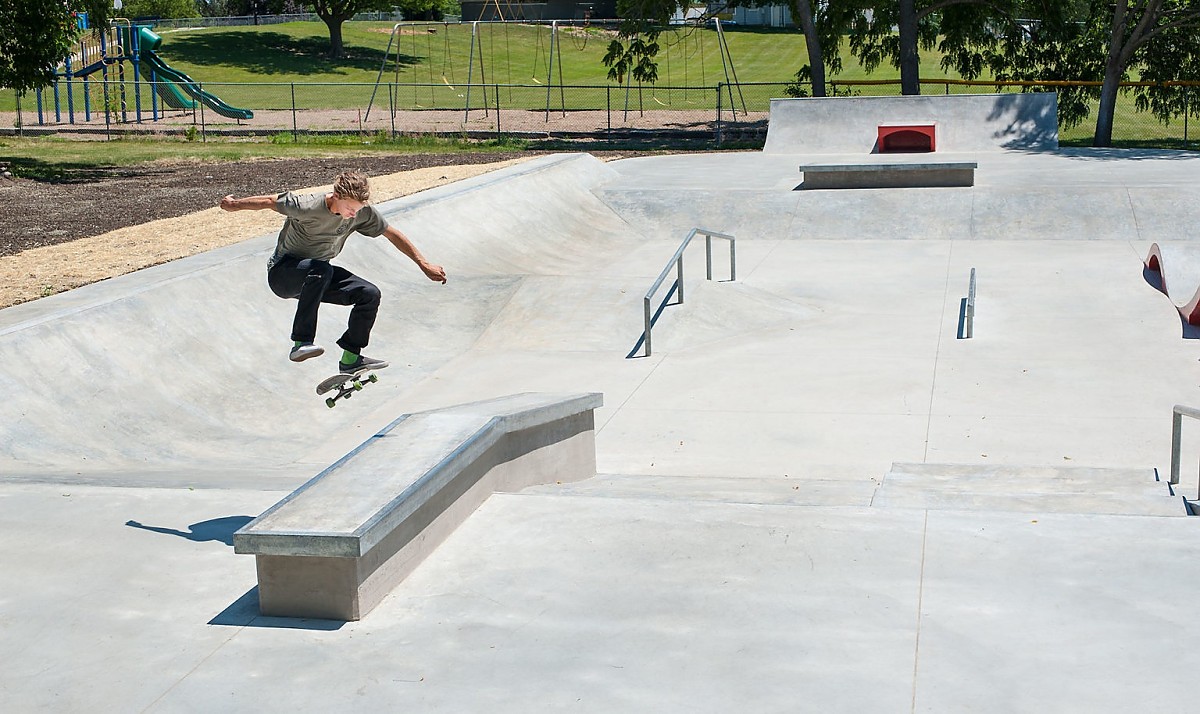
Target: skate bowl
[(812, 485), (962, 122), (168, 377)]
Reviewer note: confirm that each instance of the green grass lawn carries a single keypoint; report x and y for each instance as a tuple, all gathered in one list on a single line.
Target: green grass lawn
[(281, 66), (438, 53), (55, 158)]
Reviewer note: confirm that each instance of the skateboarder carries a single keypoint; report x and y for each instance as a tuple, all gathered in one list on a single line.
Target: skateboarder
[(316, 228)]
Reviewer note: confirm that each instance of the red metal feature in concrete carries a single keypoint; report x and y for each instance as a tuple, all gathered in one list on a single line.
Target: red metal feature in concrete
[(1190, 309), (907, 138)]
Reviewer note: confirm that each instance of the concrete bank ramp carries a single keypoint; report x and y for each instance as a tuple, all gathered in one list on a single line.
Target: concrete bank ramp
[(182, 367), (964, 122), (1178, 275)]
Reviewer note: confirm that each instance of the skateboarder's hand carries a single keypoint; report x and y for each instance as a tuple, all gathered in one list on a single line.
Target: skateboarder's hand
[(227, 203), (435, 273)]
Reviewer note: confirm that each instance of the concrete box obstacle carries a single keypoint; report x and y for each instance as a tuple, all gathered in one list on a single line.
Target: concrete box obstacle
[(889, 174), (335, 547)]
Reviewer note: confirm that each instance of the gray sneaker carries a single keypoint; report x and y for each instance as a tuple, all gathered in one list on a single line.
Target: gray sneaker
[(362, 364), (300, 353)]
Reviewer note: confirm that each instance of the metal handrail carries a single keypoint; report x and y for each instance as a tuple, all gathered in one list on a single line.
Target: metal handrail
[(677, 260), (1177, 415)]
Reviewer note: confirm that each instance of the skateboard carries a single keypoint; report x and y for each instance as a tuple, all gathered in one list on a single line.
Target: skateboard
[(345, 384)]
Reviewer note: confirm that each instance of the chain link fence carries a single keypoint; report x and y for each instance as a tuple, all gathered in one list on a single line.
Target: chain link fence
[(721, 113)]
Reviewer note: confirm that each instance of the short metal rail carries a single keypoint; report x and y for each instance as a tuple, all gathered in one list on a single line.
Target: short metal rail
[(1178, 413), (969, 322), (677, 261)]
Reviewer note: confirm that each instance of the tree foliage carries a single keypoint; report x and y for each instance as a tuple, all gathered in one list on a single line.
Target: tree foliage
[(965, 32), (221, 8), (38, 35), (632, 53), (159, 8), (1106, 42), (427, 9)]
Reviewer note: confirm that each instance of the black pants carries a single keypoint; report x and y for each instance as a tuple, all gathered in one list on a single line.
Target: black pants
[(313, 282)]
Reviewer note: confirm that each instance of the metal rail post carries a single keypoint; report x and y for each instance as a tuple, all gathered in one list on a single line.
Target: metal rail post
[(1177, 414), (677, 260), (969, 317)]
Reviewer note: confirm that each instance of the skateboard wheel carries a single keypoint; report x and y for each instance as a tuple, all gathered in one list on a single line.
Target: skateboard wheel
[(358, 386), (373, 378), (330, 401)]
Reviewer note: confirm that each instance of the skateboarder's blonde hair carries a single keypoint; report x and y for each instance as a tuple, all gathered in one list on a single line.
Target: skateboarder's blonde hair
[(352, 185)]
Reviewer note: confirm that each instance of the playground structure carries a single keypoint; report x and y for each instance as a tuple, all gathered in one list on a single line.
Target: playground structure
[(683, 43), (107, 50)]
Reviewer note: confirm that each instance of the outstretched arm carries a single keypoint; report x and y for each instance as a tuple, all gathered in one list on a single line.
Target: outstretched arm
[(405, 246), (250, 203)]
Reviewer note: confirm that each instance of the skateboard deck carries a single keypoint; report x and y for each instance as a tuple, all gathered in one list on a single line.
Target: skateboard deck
[(346, 385)]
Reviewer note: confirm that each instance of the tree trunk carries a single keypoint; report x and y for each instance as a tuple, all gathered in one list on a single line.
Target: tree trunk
[(816, 60), (1108, 105), (336, 49), (1112, 76), (910, 60)]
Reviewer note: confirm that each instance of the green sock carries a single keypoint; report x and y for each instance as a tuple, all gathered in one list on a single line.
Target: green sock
[(296, 343), (349, 357)]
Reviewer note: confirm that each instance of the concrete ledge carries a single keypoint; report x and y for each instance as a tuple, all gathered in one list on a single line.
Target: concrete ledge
[(336, 546), (889, 175)]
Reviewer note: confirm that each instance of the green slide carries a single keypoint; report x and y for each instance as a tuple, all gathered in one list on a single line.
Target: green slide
[(178, 90)]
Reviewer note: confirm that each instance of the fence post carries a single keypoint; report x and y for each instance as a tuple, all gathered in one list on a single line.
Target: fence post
[(107, 112), (20, 121), (295, 123), (203, 125), (718, 113), (608, 105), (393, 97), (499, 133), (1187, 108)]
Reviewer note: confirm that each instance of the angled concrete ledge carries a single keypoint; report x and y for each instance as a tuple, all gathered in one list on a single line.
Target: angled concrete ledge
[(335, 547), (889, 174)]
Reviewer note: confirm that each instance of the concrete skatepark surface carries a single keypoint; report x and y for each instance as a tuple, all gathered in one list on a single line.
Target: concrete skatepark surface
[(741, 548)]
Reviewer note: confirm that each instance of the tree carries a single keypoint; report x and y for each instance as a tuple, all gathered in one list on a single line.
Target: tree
[(1106, 42), (1173, 56), (632, 53), (427, 9), (159, 8), (335, 12), (38, 35), (964, 31), (1161, 31)]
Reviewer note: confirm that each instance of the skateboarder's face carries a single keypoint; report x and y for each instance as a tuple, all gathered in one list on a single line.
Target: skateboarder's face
[(345, 207)]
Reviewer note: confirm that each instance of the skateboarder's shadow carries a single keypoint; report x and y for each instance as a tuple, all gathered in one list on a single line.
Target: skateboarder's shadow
[(1154, 279), (218, 529)]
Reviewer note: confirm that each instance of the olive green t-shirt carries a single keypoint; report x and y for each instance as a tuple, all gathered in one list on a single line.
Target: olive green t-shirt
[(313, 231)]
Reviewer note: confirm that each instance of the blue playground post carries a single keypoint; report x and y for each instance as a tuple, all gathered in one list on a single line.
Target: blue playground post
[(135, 52), (70, 95)]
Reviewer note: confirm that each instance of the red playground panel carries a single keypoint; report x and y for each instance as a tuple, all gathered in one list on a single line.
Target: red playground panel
[(907, 138)]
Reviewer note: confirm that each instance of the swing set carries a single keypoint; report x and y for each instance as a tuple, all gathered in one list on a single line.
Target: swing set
[(547, 61)]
